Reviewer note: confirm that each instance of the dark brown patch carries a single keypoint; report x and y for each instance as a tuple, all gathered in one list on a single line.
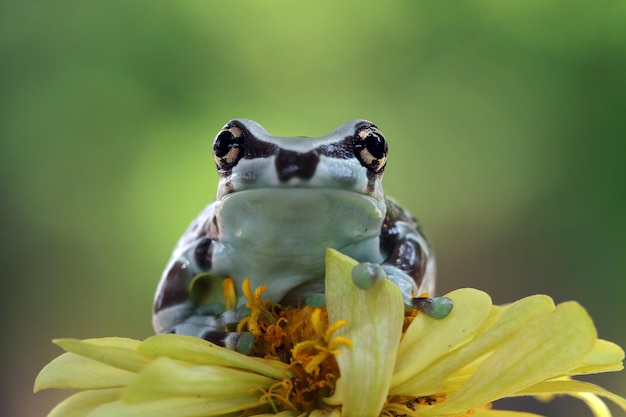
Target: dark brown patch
[(204, 253), (409, 257), (174, 290)]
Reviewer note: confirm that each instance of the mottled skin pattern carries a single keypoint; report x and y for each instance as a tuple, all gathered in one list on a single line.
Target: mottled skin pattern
[(298, 190)]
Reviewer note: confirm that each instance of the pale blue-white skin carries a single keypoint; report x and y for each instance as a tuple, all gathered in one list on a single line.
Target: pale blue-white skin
[(276, 232)]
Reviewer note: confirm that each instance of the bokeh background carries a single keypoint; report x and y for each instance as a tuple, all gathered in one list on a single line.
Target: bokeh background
[(507, 124)]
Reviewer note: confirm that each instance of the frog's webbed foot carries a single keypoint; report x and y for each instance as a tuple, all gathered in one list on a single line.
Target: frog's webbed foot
[(191, 301), (203, 323), (437, 307), (410, 262), (242, 342), (366, 274)]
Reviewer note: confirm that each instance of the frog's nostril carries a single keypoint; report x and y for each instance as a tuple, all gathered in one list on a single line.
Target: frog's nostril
[(291, 164)]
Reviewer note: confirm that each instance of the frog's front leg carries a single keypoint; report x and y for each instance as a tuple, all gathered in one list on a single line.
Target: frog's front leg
[(410, 262), (190, 301)]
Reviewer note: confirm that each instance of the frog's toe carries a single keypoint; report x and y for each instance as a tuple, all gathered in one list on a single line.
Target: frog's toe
[(437, 308), (316, 300), (365, 275), (241, 342), (204, 319), (407, 285)]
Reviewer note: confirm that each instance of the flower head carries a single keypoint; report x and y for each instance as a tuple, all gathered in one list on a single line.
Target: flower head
[(360, 356)]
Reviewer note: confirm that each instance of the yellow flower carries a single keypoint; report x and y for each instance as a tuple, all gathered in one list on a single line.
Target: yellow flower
[(361, 356), (478, 354)]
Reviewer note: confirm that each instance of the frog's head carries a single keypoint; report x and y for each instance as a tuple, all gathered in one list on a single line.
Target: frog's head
[(352, 158)]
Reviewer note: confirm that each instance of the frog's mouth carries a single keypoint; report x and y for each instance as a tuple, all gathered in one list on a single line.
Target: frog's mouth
[(299, 218), (349, 176)]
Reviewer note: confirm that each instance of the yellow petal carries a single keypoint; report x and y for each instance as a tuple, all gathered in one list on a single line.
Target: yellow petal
[(174, 407), (115, 351), (428, 339), (499, 327), (572, 387), (195, 350), (285, 414), (81, 404), (70, 371), (595, 404), (164, 378), (546, 347), (338, 396), (605, 357), (478, 412), (336, 412), (485, 412), (375, 318)]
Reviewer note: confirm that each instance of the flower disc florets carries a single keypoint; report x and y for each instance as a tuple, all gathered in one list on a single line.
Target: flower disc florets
[(301, 338)]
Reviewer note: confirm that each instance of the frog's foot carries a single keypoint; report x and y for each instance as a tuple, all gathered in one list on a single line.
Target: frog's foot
[(207, 323), (242, 342), (437, 308), (366, 274)]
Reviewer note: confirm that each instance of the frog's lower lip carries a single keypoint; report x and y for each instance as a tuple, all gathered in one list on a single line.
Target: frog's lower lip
[(297, 186), (302, 189), (286, 196)]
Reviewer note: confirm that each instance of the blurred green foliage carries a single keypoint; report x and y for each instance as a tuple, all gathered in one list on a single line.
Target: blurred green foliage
[(506, 122)]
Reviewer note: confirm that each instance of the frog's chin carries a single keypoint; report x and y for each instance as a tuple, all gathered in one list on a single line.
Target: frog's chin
[(302, 191), (351, 184), (299, 219), (297, 193)]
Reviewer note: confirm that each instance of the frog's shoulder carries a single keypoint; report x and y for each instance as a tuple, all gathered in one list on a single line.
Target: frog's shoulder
[(395, 212), (199, 227)]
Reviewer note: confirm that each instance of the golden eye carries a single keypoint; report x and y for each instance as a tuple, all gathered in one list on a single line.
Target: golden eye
[(228, 147), (370, 148)]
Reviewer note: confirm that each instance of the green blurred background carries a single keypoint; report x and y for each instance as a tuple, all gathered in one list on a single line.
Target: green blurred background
[(506, 123)]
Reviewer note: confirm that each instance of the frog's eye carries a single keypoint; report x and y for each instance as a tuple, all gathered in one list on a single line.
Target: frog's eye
[(228, 147), (370, 147)]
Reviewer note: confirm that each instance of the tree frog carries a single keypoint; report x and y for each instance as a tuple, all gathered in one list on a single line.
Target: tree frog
[(281, 201)]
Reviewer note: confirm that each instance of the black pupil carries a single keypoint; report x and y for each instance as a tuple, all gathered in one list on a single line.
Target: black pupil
[(376, 145), (223, 143)]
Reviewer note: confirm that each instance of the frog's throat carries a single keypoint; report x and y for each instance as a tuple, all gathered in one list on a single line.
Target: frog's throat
[(283, 233)]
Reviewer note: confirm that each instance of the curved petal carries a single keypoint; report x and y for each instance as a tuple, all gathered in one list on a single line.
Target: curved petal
[(499, 327), (71, 371), (427, 339), (165, 378), (546, 347), (284, 414), (81, 404), (336, 412), (194, 350), (595, 404), (375, 318), (605, 357), (485, 412), (119, 352), (174, 407), (571, 387)]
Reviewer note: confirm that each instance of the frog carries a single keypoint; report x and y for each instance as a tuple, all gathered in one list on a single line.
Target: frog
[(280, 203)]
